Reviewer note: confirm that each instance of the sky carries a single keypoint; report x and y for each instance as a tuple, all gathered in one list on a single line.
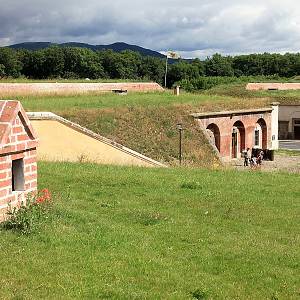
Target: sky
[(194, 28)]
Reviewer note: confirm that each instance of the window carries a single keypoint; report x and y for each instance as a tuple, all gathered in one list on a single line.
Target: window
[(17, 171), (256, 138)]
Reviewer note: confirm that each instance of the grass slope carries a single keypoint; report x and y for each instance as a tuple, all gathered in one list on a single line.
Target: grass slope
[(145, 122), (134, 233)]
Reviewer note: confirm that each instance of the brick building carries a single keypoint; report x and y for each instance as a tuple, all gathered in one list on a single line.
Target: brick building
[(18, 167), (231, 132)]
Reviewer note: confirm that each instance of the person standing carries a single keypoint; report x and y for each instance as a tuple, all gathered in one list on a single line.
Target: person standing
[(247, 157)]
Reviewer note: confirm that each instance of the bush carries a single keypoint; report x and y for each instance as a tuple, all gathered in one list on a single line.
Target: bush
[(26, 218)]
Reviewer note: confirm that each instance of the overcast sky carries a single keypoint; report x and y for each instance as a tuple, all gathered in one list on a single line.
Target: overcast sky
[(195, 28)]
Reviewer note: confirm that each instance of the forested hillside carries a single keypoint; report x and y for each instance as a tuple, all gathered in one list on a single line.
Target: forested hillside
[(76, 63)]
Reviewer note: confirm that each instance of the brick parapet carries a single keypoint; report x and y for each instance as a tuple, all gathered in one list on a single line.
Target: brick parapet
[(50, 87)]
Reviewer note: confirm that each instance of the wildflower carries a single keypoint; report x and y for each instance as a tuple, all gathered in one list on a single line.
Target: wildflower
[(45, 196)]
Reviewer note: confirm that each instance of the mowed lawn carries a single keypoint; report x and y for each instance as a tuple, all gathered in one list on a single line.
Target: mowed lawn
[(135, 233), (64, 103)]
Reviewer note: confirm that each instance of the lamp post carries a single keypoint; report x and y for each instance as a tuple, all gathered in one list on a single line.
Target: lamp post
[(180, 128), (166, 70)]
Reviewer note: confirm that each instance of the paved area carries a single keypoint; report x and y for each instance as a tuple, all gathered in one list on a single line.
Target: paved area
[(286, 163), (289, 144)]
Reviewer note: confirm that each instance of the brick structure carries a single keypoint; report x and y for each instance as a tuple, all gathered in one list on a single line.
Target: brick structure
[(52, 87), (233, 131), (18, 167), (272, 86)]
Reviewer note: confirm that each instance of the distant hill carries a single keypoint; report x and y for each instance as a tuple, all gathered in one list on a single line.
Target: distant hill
[(118, 47)]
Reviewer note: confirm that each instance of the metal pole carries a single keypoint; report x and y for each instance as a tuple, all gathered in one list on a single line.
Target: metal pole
[(166, 71), (180, 146)]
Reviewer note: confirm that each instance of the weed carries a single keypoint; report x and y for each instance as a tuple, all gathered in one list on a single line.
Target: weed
[(191, 185), (25, 219), (199, 294)]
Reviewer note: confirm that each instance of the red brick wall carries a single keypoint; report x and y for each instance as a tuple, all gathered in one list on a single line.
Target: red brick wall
[(225, 125), (18, 143)]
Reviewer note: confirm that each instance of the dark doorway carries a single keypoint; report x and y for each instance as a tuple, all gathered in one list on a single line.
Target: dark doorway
[(234, 142), (297, 133), (296, 129)]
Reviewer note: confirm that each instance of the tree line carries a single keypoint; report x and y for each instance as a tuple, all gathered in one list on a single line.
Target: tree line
[(77, 63)]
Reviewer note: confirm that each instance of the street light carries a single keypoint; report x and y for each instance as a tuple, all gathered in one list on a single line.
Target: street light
[(180, 128)]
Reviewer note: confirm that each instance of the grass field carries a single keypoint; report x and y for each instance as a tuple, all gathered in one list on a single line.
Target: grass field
[(59, 103), (134, 233)]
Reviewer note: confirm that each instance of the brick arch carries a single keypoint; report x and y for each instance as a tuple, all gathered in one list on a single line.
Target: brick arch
[(264, 133), (214, 133), (238, 139)]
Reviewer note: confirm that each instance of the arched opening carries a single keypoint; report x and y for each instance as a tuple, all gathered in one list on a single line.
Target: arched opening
[(261, 134), (214, 134), (237, 139)]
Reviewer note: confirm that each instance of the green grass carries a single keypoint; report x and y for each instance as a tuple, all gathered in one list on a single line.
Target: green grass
[(59, 103), (134, 233)]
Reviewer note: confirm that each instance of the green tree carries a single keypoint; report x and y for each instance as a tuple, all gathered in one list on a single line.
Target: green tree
[(152, 68), (219, 65), (2, 71), (10, 61)]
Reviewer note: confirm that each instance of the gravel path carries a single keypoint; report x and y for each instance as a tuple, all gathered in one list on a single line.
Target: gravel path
[(282, 162)]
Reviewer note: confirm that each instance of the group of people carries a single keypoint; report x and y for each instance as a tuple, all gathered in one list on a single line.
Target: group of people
[(251, 160)]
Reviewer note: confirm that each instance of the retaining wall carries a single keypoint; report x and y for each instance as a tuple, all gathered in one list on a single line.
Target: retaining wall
[(49, 87), (272, 86), (63, 140)]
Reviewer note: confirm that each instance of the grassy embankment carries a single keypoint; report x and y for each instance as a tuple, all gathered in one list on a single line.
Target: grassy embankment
[(145, 122), (134, 233), (239, 91)]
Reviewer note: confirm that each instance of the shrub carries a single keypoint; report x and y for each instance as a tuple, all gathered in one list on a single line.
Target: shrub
[(25, 218)]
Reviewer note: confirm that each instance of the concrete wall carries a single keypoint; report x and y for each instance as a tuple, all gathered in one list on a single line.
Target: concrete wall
[(287, 113), (59, 142), (272, 86), (34, 88)]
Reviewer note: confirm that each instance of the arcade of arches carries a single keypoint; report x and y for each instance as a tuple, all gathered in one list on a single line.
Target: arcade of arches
[(232, 132)]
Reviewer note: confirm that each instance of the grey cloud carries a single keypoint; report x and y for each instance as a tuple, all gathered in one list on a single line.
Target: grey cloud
[(193, 27)]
